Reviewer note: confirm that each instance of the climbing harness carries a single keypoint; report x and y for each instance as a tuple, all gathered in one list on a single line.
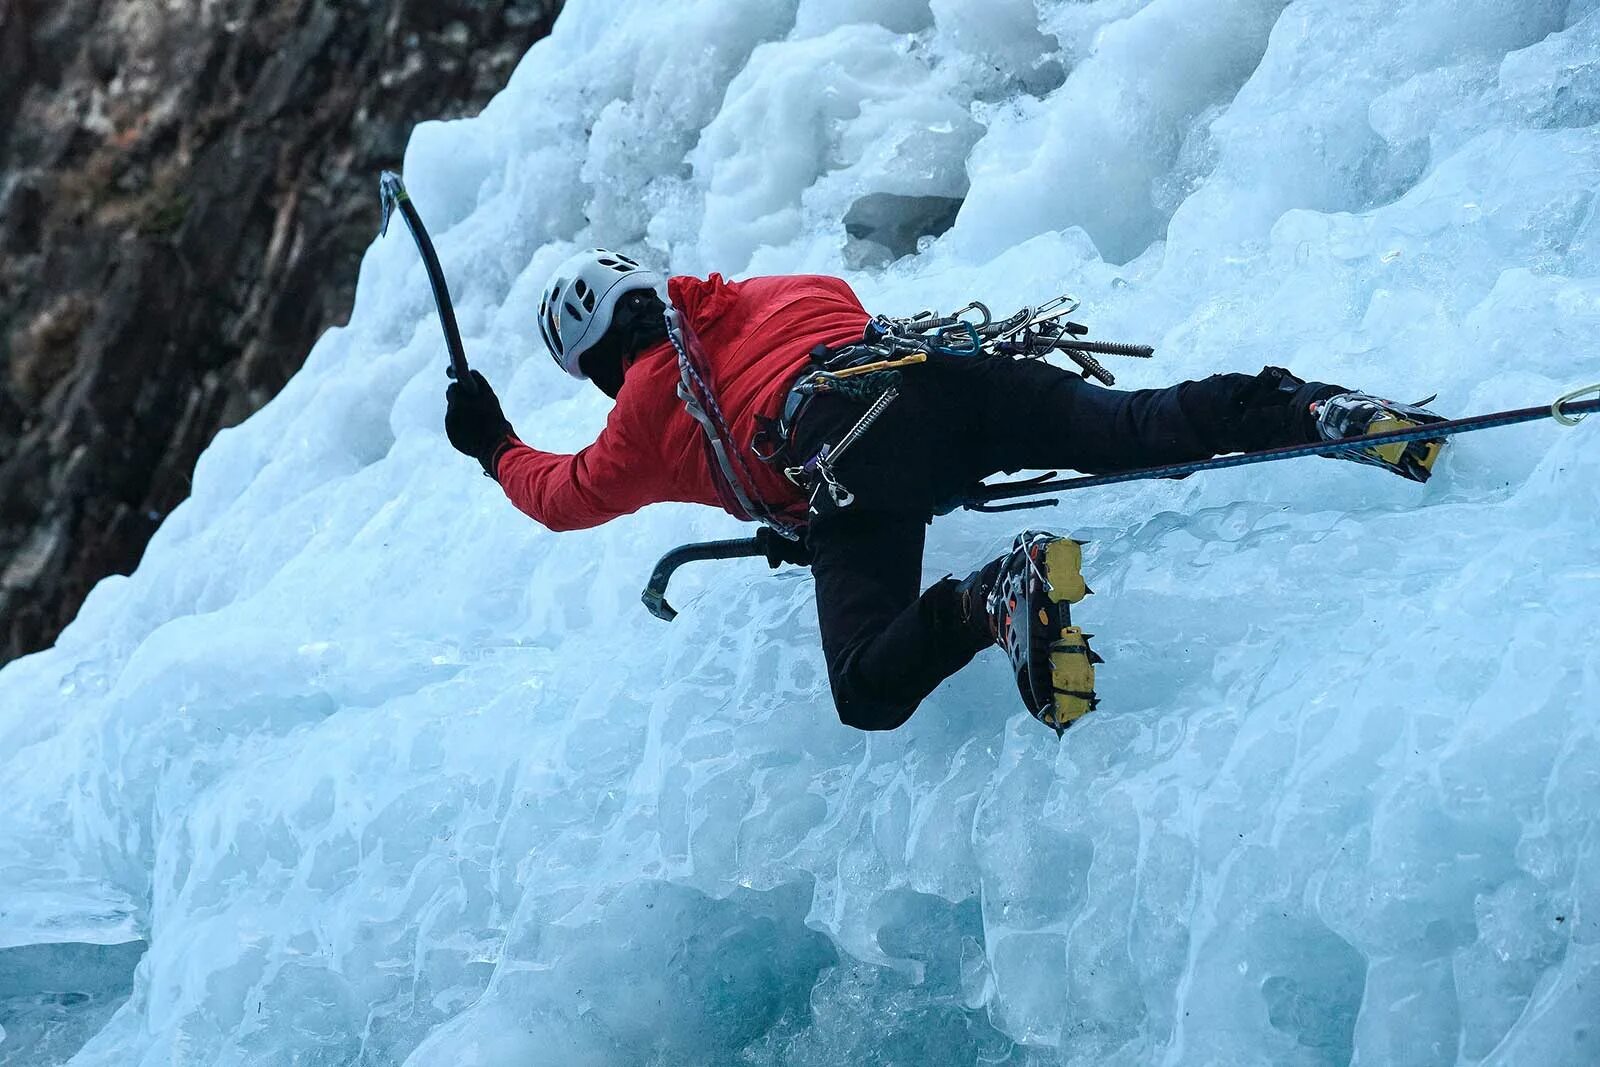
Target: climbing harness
[(868, 371)]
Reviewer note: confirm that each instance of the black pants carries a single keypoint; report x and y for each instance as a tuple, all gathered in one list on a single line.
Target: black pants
[(959, 421)]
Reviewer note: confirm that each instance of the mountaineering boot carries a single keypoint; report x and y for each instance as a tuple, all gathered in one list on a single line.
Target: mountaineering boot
[(1358, 414), (1020, 602)]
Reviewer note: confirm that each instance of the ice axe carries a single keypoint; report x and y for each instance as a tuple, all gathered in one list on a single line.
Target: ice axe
[(393, 192)]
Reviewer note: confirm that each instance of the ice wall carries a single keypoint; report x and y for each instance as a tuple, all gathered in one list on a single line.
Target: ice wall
[(386, 774)]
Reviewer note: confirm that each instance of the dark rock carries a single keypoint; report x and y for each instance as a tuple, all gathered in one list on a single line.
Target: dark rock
[(185, 193)]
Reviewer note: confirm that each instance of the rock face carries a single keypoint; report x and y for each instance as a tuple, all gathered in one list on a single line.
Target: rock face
[(186, 187)]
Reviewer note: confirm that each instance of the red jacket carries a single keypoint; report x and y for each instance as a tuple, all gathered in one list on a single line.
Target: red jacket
[(758, 335)]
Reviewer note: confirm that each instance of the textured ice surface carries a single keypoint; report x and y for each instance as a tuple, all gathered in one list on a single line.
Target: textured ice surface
[(385, 773), (55, 996)]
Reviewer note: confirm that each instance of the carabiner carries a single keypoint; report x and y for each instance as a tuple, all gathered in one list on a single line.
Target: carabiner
[(1059, 308), (1021, 321), (972, 348), (842, 497), (981, 308), (1572, 420)]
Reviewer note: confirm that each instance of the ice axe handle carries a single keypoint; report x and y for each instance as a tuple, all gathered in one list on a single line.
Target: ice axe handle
[(393, 192)]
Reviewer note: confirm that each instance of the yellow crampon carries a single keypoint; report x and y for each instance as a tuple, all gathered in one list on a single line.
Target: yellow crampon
[(1413, 459), (1071, 659), (1352, 416), (1072, 678)]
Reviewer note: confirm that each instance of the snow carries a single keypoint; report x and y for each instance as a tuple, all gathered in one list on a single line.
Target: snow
[(379, 771)]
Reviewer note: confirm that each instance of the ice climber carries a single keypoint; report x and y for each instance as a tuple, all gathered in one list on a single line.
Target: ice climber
[(737, 395)]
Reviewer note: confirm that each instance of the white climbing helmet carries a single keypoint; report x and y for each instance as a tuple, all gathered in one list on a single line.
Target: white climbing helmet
[(576, 310)]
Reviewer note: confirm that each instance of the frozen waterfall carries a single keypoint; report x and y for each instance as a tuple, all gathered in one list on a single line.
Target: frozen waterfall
[(361, 766)]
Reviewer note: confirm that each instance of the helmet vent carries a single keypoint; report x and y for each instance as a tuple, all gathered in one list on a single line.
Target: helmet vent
[(588, 300), (572, 309)]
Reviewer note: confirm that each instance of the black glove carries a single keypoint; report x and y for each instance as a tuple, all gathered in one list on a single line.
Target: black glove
[(474, 422), (780, 550)]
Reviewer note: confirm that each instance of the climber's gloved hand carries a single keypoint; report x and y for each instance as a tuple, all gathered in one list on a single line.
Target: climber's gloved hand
[(474, 422), (780, 550)]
